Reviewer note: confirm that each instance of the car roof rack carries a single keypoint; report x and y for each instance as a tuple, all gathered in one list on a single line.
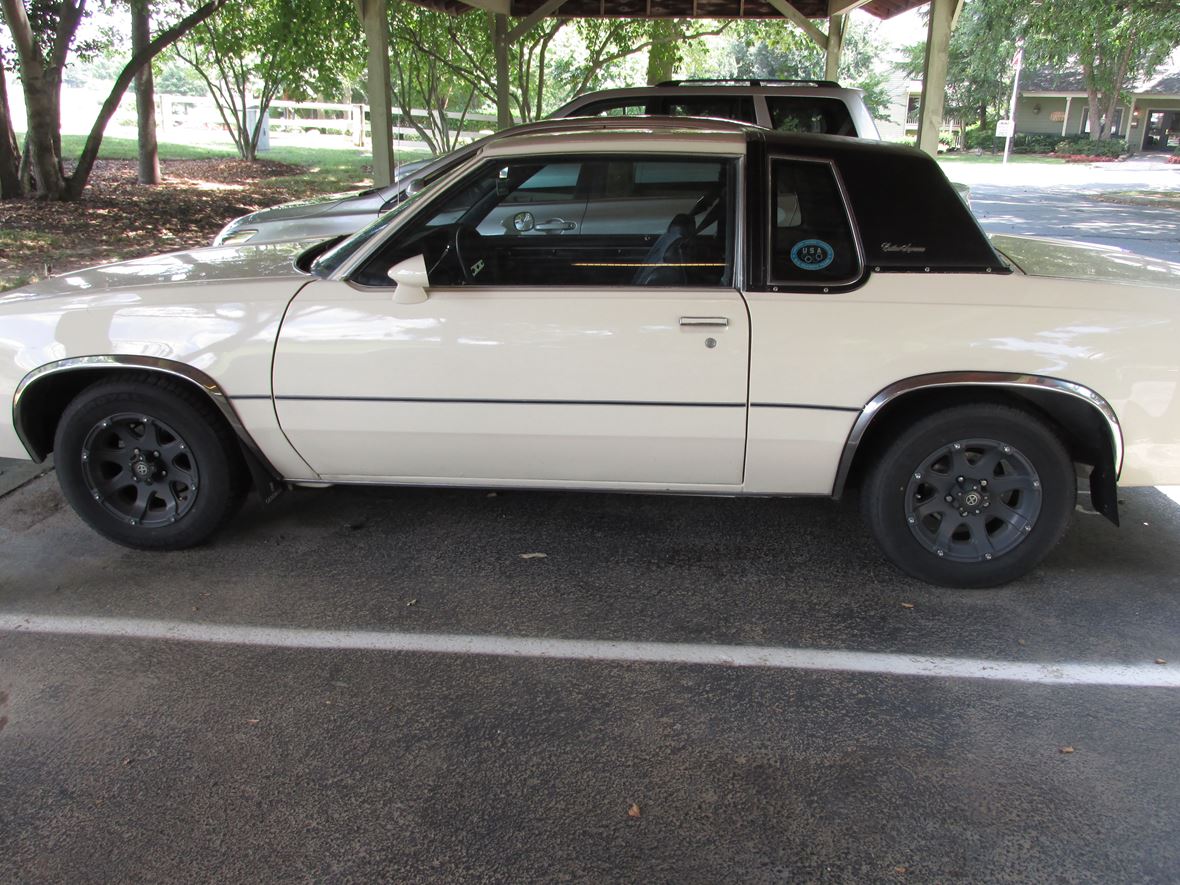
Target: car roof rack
[(742, 81)]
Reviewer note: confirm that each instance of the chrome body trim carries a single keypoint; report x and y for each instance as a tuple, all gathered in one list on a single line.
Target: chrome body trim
[(152, 364), (973, 379)]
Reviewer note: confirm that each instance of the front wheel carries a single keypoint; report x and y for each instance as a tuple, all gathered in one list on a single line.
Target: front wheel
[(973, 496), (148, 463)]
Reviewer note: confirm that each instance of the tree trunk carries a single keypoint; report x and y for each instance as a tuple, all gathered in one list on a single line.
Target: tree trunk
[(11, 185), (145, 96), (1116, 93), (44, 127), (162, 41), (1095, 105), (664, 53)]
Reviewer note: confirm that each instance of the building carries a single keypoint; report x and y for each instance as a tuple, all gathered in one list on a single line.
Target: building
[(1056, 104)]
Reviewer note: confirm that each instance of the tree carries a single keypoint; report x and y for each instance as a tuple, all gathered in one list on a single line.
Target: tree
[(979, 69), (10, 183), (255, 50), (1113, 42), (145, 95), (43, 34), (429, 81), (776, 49), (540, 80)]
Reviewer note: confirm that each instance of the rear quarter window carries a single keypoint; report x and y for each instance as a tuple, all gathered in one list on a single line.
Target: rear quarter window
[(811, 236)]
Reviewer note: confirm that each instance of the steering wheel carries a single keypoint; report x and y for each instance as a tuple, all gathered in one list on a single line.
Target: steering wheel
[(467, 252)]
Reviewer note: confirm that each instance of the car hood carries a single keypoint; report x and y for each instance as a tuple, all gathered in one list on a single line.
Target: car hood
[(212, 264), (1070, 260), (357, 202)]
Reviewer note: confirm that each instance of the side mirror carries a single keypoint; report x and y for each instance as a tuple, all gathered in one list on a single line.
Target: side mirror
[(415, 186), (410, 276)]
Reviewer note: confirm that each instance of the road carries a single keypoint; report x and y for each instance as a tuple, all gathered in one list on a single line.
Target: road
[(1059, 201)]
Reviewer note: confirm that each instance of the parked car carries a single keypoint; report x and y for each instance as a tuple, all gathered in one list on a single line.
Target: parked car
[(649, 305), (816, 106)]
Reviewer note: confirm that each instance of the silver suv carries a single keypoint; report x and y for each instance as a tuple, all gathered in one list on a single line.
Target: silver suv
[(815, 106)]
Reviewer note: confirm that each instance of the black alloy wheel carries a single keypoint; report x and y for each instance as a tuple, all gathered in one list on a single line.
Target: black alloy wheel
[(148, 463), (973, 496)]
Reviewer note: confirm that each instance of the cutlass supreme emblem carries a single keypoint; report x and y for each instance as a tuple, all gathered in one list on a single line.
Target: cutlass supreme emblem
[(906, 248)]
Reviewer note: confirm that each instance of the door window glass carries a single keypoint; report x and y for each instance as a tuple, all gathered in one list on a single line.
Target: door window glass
[(811, 239), (824, 116), (613, 108), (601, 221), (724, 107)]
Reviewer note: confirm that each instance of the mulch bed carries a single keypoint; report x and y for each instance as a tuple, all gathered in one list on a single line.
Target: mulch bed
[(119, 218)]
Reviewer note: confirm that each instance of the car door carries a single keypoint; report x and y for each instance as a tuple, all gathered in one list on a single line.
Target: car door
[(585, 359)]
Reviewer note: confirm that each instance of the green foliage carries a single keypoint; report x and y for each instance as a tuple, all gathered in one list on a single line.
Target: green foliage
[(1085, 147), (979, 65), (255, 50), (1114, 42), (776, 49)]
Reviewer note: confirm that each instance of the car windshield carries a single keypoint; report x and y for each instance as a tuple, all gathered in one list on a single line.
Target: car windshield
[(334, 258)]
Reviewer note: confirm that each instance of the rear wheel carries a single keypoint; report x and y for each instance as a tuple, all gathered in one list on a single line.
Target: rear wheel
[(148, 463), (973, 496)]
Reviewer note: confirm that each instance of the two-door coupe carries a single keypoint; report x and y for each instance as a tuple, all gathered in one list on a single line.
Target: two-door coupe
[(645, 304)]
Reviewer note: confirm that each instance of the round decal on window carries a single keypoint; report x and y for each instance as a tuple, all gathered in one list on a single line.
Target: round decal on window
[(812, 255)]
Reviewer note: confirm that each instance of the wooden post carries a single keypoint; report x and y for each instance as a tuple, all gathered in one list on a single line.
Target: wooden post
[(374, 15), (938, 43), (836, 26)]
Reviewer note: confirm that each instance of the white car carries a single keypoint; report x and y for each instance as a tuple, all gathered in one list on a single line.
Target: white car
[(653, 305)]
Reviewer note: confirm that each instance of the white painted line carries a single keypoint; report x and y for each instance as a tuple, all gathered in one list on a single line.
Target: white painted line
[(1147, 675)]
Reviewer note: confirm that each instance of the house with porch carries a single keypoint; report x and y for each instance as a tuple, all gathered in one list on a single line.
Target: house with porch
[(1055, 103)]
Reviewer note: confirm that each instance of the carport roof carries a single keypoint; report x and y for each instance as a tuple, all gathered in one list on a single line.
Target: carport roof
[(723, 9)]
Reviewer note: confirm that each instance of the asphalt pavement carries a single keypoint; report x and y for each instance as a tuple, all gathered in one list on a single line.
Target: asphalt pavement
[(1072, 202), (310, 753)]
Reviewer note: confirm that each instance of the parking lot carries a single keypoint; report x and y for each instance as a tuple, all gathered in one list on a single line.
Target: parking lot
[(325, 753), (430, 685)]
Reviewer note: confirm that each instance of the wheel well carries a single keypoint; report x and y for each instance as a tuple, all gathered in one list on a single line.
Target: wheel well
[(1081, 427), (44, 401)]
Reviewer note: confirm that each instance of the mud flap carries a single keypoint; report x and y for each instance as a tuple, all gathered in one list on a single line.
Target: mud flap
[(1104, 492)]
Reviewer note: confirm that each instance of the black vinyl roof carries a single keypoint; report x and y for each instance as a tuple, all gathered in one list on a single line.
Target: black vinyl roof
[(910, 216)]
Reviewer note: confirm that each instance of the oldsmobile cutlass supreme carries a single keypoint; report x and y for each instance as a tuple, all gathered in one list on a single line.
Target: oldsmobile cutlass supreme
[(658, 305)]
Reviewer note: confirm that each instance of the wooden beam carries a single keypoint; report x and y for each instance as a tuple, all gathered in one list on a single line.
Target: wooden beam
[(530, 21), (503, 7), (843, 7), (795, 17)]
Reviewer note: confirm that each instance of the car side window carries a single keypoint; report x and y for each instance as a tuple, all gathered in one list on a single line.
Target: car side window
[(724, 107), (811, 236), (599, 221), (613, 108), (825, 116)]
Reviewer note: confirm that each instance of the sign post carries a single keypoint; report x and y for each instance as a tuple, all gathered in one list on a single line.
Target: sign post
[(1010, 123)]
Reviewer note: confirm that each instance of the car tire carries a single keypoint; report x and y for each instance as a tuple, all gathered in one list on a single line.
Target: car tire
[(148, 463), (972, 496)]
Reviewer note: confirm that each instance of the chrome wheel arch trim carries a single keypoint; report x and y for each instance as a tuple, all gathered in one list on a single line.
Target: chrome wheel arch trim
[(973, 379), (144, 363)]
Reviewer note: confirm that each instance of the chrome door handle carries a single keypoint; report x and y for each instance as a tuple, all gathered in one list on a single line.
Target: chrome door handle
[(555, 224), (704, 321)]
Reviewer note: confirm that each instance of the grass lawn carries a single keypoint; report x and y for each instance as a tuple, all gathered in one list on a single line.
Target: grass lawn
[(1159, 199), (997, 158), (204, 187)]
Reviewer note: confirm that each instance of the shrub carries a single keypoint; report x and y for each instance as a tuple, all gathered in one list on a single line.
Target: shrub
[(1114, 147)]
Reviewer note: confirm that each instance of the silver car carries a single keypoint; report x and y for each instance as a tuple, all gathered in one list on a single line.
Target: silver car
[(812, 106)]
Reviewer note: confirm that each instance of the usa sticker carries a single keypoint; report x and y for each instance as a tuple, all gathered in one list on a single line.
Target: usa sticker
[(812, 255)]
